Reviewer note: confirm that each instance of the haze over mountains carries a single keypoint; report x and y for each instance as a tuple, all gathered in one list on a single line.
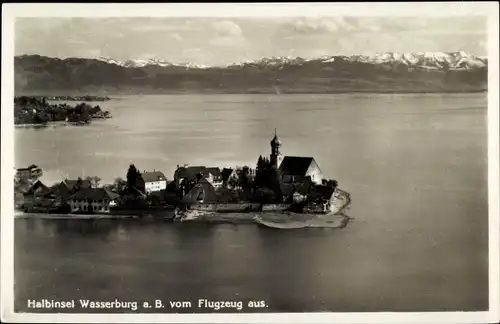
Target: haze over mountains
[(385, 72)]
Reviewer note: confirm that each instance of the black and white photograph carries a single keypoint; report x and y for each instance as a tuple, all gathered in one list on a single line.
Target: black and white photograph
[(250, 162)]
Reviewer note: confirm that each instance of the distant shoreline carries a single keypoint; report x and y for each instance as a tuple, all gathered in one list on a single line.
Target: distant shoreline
[(50, 124), (251, 92), (36, 110), (72, 98)]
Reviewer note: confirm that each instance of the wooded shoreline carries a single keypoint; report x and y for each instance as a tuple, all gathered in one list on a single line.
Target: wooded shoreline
[(38, 111)]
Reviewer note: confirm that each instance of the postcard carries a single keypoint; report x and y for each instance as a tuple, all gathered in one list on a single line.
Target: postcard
[(250, 163)]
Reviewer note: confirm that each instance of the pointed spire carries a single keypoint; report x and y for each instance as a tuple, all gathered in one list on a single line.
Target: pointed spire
[(275, 141)]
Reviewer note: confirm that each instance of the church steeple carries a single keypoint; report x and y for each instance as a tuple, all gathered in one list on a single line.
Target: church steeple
[(275, 141), (275, 157)]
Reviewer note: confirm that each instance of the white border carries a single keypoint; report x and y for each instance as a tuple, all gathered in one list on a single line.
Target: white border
[(10, 11)]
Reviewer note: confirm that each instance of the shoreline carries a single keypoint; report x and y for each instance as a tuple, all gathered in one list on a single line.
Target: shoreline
[(272, 91), (56, 123), (35, 110), (278, 220), (52, 123), (83, 98), (22, 215)]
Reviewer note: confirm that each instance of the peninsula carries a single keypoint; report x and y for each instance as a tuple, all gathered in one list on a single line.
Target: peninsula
[(279, 184), (38, 111)]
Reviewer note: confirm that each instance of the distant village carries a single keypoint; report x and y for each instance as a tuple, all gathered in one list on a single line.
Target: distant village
[(38, 111), (275, 180)]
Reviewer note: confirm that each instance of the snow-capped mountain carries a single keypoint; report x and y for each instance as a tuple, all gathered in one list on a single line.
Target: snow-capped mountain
[(421, 60), (425, 60), (384, 72), (193, 65), (136, 63), (109, 60)]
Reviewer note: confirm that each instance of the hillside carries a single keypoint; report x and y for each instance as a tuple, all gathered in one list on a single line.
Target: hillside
[(388, 72)]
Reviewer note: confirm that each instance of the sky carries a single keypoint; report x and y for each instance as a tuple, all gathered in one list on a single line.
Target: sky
[(221, 41)]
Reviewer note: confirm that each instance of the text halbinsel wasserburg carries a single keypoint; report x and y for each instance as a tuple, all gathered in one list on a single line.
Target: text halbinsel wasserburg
[(81, 303)]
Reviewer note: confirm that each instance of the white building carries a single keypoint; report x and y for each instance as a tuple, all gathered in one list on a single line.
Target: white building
[(92, 200), (154, 181), (32, 171), (214, 176)]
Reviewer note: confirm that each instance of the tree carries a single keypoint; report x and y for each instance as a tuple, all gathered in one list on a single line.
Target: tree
[(94, 181), (119, 182), (275, 182), (119, 185), (260, 173), (332, 183), (226, 174), (82, 112), (264, 196), (243, 177), (233, 181), (78, 185), (132, 175), (260, 162), (140, 184)]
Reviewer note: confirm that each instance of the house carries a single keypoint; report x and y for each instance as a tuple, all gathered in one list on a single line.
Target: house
[(203, 192), (296, 169), (296, 191), (214, 176), (321, 199), (325, 193), (92, 200), (63, 190), (154, 181), (195, 173), (32, 171), (231, 176), (38, 195)]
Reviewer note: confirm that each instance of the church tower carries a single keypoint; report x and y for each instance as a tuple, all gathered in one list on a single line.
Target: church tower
[(276, 156)]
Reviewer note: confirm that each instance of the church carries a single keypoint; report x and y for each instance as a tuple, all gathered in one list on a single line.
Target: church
[(294, 169)]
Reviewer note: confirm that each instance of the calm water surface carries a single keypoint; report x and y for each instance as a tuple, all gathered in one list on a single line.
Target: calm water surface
[(415, 166)]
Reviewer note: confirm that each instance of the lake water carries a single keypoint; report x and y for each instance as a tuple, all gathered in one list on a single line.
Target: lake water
[(416, 166)]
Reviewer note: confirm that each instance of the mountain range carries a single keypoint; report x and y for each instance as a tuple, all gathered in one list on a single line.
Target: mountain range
[(384, 72)]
